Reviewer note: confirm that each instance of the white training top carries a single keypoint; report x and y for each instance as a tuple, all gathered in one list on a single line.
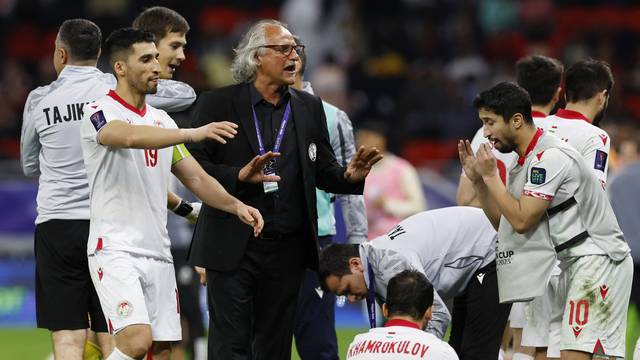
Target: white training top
[(50, 141), (591, 141), (128, 186), (447, 245), (398, 341)]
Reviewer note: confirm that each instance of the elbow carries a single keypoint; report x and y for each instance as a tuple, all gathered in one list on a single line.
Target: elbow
[(522, 226)]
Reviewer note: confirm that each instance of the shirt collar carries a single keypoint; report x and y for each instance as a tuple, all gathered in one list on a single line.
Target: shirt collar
[(306, 87), (532, 145), (256, 97), (571, 115), (74, 70), (141, 112), (538, 114), (402, 322)]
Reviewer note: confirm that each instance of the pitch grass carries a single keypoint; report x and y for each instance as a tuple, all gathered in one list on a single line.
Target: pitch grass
[(35, 344)]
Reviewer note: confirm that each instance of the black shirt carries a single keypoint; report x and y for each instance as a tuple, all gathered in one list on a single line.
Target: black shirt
[(284, 210)]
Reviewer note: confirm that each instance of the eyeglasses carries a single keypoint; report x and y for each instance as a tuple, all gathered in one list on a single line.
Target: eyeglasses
[(286, 49)]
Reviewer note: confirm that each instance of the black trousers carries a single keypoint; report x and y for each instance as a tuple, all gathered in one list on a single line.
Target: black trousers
[(478, 318), (252, 308), (315, 324)]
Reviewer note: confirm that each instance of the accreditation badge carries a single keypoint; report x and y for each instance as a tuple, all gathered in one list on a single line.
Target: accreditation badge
[(270, 169)]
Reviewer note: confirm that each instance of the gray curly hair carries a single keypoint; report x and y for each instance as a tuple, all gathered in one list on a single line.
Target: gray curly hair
[(245, 66)]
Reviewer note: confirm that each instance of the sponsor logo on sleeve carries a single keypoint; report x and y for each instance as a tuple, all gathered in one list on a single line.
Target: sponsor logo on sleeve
[(538, 175), (98, 120), (601, 160)]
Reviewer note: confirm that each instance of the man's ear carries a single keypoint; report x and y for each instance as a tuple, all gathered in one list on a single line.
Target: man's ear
[(120, 68), (517, 120), (385, 310), (556, 96), (62, 54), (602, 97), (428, 315), (356, 262)]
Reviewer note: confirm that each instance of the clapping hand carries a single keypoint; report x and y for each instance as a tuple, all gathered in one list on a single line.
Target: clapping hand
[(486, 164), (468, 160), (361, 163)]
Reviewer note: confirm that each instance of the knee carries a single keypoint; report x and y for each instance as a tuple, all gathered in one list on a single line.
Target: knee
[(134, 340)]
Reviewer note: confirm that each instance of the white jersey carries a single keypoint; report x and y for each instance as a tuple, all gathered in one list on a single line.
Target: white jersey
[(397, 341), (50, 140), (591, 141), (447, 245), (128, 186)]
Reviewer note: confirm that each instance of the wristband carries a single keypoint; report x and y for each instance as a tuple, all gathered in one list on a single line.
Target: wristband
[(183, 209)]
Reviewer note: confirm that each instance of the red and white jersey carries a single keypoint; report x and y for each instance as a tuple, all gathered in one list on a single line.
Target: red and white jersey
[(591, 141), (399, 340), (128, 186)]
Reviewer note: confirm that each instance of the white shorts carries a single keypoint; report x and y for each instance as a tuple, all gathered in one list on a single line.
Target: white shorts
[(137, 290), (596, 293), (538, 315), (516, 317)]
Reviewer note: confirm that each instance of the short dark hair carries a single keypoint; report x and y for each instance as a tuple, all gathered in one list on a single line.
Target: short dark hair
[(540, 76), (586, 78), (505, 99), (119, 43), (302, 56), (334, 260), (82, 38), (409, 293), (160, 21)]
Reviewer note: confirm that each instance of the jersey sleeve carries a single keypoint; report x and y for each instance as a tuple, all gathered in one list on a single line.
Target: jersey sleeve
[(98, 115), (596, 154), (172, 96), (29, 137), (546, 173)]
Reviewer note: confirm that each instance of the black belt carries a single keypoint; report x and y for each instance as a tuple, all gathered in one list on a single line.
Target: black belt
[(562, 207), (572, 242)]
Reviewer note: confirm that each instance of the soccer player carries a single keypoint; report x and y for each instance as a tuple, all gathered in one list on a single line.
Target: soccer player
[(552, 206), (129, 148), (455, 249), (50, 148), (314, 331), (408, 309)]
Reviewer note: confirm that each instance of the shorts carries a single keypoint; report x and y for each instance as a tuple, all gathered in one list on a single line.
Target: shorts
[(516, 317), (596, 292), (137, 290), (65, 296), (538, 316)]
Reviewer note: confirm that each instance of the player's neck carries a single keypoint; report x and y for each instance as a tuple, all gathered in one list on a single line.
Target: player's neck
[(420, 324), (546, 109), (525, 137), (131, 96), (583, 107), (269, 90)]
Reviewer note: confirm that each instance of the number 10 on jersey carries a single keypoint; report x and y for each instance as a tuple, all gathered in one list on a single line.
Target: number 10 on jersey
[(151, 157)]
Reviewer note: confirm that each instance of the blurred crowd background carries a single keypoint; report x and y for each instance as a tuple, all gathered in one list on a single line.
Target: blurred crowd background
[(411, 66)]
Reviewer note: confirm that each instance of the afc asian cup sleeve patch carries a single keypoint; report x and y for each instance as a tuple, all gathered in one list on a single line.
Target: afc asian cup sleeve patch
[(601, 160), (538, 175), (98, 120)]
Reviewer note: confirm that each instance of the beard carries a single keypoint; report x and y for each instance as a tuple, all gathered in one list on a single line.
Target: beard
[(145, 87), (506, 146), (600, 116)]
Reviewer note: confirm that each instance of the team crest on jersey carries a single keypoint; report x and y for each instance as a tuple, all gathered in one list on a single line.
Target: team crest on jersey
[(538, 175), (601, 160), (124, 309), (98, 120), (312, 152)]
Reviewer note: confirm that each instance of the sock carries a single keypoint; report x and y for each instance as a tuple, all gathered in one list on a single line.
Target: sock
[(119, 355), (91, 351), (516, 356), (501, 354)]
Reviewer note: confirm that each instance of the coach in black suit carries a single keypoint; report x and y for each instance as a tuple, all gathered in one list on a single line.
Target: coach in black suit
[(253, 282)]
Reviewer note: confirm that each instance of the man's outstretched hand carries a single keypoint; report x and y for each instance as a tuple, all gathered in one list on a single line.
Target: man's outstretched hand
[(361, 163), (252, 172)]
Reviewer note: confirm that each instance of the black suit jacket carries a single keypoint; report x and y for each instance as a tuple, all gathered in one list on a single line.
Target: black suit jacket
[(220, 239)]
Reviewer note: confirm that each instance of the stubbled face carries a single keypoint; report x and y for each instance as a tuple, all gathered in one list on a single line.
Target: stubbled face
[(142, 69), (603, 110), (274, 65), (171, 49), (499, 132), (351, 285)]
